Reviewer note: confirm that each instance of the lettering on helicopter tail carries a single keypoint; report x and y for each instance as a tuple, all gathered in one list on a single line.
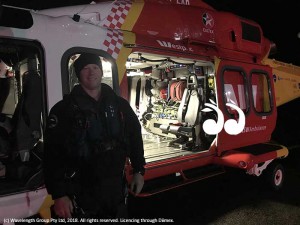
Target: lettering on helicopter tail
[(168, 44), (183, 2), (164, 44)]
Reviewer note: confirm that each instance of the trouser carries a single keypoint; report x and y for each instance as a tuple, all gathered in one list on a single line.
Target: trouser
[(105, 200)]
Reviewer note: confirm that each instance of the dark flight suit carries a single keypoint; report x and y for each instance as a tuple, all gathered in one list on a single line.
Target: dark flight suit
[(86, 144)]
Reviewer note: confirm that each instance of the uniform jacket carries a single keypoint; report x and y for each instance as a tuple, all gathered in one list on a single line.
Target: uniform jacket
[(58, 160)]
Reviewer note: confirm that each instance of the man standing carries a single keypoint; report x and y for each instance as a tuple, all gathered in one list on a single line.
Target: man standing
[(88, 137)]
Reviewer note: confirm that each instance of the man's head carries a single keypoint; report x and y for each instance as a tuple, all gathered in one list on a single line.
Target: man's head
[(85, 59), (88, 69)]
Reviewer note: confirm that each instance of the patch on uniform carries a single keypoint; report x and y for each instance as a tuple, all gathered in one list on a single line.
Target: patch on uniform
[(52, 121)]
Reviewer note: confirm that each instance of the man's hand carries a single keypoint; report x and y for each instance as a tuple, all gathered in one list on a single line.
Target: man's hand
[(63, 207), (137, 183)]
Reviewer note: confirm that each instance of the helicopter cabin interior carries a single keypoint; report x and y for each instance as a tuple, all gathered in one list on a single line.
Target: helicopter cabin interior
[(21, 115), (167, 94)]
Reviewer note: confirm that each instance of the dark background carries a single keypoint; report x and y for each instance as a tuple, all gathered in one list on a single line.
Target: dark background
[(279, 19), (235, 198)]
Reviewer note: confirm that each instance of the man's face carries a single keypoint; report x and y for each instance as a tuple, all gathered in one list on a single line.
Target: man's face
[(91, 76)]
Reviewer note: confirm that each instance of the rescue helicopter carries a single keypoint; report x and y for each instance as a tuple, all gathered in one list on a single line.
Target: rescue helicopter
[(204, 88)]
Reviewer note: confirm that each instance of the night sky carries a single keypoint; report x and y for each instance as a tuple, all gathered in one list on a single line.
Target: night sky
[(279, 19)]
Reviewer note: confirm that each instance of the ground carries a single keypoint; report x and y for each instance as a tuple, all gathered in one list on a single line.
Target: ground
[(233, 198)]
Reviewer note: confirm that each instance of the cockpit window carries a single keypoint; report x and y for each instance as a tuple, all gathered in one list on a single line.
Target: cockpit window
[(15, 18)]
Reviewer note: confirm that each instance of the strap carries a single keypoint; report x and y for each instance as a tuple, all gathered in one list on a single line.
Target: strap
[(184, 109)]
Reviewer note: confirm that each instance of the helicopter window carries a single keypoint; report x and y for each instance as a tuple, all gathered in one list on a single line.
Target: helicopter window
[(17, 18), (235, 90), (23, 113), (17, 59), (261, 92), (250, 32)]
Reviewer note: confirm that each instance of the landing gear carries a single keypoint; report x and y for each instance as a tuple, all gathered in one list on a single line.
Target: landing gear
[(275, 176)]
